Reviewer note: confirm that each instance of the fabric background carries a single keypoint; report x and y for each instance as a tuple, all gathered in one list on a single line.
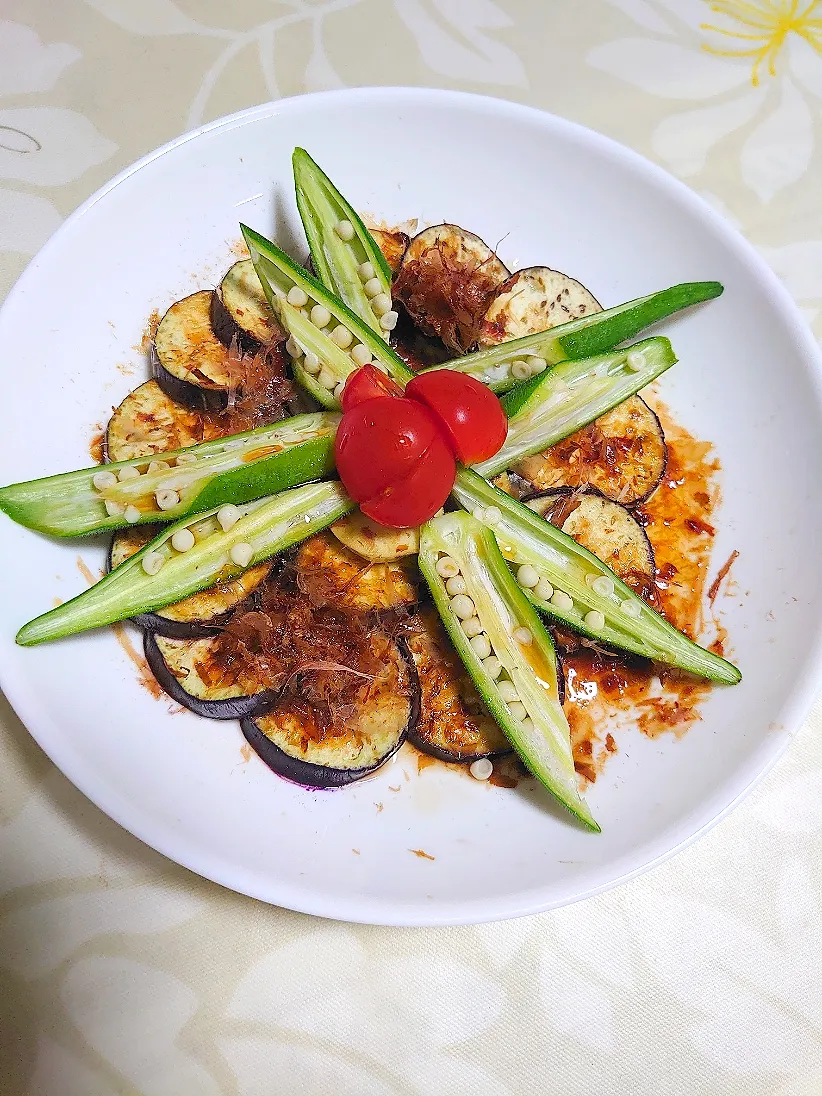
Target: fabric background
[(121, 973)]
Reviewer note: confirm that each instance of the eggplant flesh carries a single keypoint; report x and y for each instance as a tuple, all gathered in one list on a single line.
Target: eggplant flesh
[(393, 245), (240, 310), (149, 422), (331, 574), (187, 671), (190, 363), (534, 299), (288, 739)]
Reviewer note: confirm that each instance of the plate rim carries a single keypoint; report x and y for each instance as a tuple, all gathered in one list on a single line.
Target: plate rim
[(420, 913)]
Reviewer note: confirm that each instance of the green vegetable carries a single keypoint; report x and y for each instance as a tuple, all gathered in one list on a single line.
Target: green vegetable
[(628, 623), (268, 526), (536, 727), (337, 261), (559, 402), (278, 275), (235, 469), (582, 338)]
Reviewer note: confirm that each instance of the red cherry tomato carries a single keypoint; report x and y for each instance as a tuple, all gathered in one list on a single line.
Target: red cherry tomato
[(469, 413), (379, 442), (367, 383), (416, 498)]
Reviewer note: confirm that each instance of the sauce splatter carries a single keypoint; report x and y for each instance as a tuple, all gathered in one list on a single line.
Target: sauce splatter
[(144, 675), (246, 752), (422, 854), (97, 445), (713, 589)]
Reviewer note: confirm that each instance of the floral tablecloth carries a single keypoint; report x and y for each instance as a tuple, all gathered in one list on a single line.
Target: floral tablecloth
[(121, 973)]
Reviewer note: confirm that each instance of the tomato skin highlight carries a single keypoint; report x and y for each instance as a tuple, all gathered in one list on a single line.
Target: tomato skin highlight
[(419, 495), (379, 442), (367, 383), (470, 415)]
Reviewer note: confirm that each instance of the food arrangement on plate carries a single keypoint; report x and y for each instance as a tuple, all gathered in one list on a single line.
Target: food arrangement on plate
[(364, 504)]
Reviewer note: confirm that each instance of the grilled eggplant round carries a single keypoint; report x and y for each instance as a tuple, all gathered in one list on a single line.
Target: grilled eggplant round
[(148, 422), (187, 670), (375, 542), (393, 246), (454, 724), (240, 310), (191, 365), (331, 574), (290, 740), (198, 615), (607, 529), (622, 455), (533, 300)]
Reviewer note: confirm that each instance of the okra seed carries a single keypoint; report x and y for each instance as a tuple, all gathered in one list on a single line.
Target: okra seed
[(298, 297), (472, 627), (536, 365), (562, 601), (227, 517), (293, 347), (338, 391), (631, 608), (456, 585), (345, 230), (635, 361), (381, 304), (311, 364), (152, 562), (128, 473), (492, 666), (493, 515), (517, 709), (326, 378), (603, 586), (342, 336), (462, 606), (527, 725), (159, 466), (182, 540), (388, 320), (361, 355), (523, 636), (114, 509), (102, 480), (544, 590), (479, 513), (320, 316), (480, 646), (366, 271), (527, 576), (372, 287), (185, 458), (508, 691), (447, 567), (241, 554), (481, 769), (131, 514), (520, 370), (595, 620), (167, 500)]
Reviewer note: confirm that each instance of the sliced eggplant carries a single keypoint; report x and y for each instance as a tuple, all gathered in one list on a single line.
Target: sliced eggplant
[(392, 244), (454, 723), (149, 422), (240, 310), (291, 740), (201, 613), (191, 364), (375, 542), (533, 300), (331, 574), (606, 528), (192, 673), (445, 281), (622, 455)]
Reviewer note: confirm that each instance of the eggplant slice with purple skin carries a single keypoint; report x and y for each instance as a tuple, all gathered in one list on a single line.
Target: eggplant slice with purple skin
[(190, 363), (148, 423), (622, 455), (330, 574), (187, 671), (200, 614), (239, 310), (534, 299), (288, 740)]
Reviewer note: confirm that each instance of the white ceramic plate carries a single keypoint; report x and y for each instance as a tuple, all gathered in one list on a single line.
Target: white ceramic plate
[(748, 379)]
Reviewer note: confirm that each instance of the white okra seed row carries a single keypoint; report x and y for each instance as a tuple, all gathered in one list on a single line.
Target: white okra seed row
[(388, 320), (152, 562), (517, 709), (472, 626), (167, 499), (326, 379), (228, 516), (456, 585), (544, 590), (241, 554), (320, 316), (462, 607), (345, 230), (311, 364), (366, 271), (481, 646), (381, 304), (527, 576), (508, 691), (492, 666), (128, 473), (342, 336), (595, 620), (104, 479), (361, 355), (372, 287), (182, 540), (131, 514), (114, 509), (447, 567), (298, 297)]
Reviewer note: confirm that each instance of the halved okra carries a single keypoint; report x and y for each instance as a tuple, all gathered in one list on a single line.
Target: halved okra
[(193, 555), (505, 648), (343, 251), (570, 585), (326, 340), (557, 403), (503, 366), (235, 469)]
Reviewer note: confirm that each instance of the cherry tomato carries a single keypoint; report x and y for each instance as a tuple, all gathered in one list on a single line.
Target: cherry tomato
[(469, 413), (419, 495), (379, 442), (367, 383)]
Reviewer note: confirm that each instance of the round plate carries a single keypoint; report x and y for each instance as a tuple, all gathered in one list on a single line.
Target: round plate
[(748, 379)]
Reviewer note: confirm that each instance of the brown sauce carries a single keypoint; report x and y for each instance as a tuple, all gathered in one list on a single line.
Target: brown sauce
[(97, 445)]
